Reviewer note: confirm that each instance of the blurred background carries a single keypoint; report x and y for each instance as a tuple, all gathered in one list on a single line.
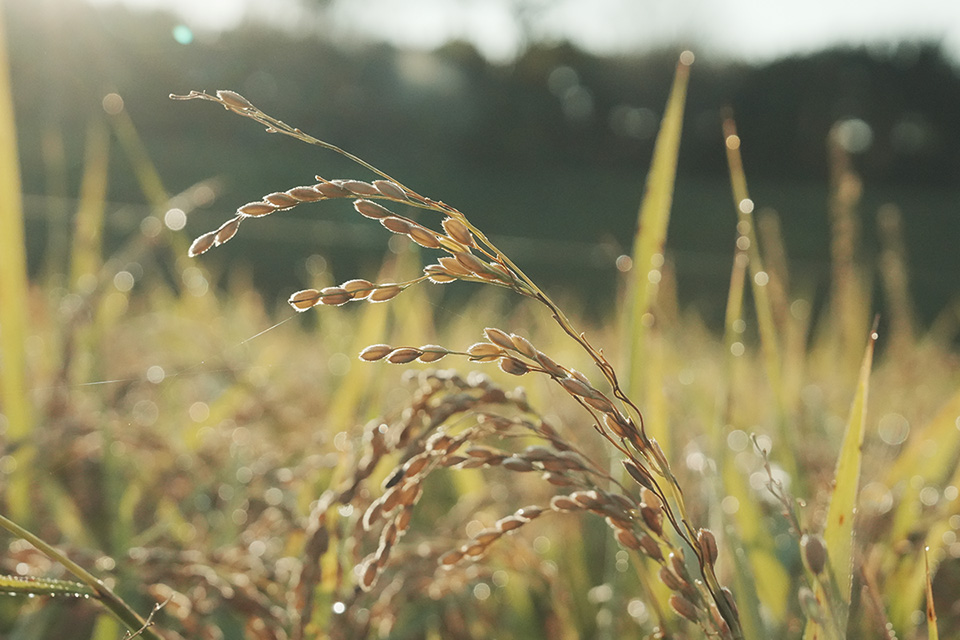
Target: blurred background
[(536, 118)]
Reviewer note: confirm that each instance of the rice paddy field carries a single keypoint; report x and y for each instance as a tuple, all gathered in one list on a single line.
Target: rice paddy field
[(438, 446)]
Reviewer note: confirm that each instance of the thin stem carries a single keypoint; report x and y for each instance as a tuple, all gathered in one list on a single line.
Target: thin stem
[(102, 592)]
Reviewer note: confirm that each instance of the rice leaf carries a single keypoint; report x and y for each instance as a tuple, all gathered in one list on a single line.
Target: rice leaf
[(13, 300), (649, 241), (86, 251), (932, 632), (838, 534)]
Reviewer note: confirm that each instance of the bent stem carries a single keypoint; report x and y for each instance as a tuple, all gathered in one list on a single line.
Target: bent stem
[(103, 593)]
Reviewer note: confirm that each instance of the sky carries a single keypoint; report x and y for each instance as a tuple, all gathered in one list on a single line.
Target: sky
[(755, 30)]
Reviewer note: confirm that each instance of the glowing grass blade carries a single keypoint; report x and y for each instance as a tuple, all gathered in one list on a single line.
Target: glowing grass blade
[(932, 632), (838, 533), (13, 299), (87, 255), (653, 220)]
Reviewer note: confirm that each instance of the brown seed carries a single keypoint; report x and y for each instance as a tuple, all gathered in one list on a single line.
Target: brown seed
[(538, 453), (528, 513), (627, 538), (372, 514), (390, 499), (202, 244), (513, 366), (423, 237), (514, 463), (375, 352), (453, 267), (409, 493), (651, 548), (234, 99), (577, 388), (403, 519), (358, 288), (523, 345), (601, 404), (473, 549), (650, 498), (360, 188), (385, 292), (459, 232), (484, 352), (470, 262), (331, 189), (510, 523), (499, 337), (396, 225), (368, 575), (653, 518), (256, 209), (708, 546), (638, 473), (558, 479), (550, 366), (487, 536), (587, 499), (334, 296), (684, 607), (281, 200), (563, 503), (437, 274), (390, 189), (432, 353), (672, 580), (403, 355), (227, 230), (303, 300), (416, 464), (499, 272), (305, 194), (814, 552), (450, 558)]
